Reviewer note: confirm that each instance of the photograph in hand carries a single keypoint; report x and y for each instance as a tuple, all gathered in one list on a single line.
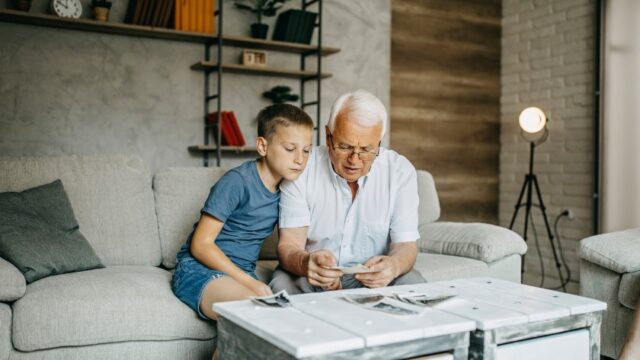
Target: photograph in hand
[(355, 269)]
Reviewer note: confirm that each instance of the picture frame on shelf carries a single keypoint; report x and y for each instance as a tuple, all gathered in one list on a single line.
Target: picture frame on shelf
[(254, 58)]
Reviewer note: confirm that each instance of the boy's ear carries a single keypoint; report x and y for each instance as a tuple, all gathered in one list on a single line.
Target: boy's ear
[(261, 146)]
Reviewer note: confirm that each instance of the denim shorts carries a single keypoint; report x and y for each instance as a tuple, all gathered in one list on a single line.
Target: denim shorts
[(190, 279)]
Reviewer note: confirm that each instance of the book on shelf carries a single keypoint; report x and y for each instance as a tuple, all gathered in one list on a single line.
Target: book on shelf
[(236, 128), (295, 26), (229, 129), (156, 13)]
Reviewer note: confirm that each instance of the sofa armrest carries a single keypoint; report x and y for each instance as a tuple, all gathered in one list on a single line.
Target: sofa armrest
[(478, 241), (12, 283), (617, 251)]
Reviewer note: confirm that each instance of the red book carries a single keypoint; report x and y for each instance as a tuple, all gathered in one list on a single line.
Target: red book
[(225, 130), (226, 123), (236, 128)]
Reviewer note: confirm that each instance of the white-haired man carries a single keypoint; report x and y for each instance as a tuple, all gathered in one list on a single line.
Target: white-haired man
[(355, 203)]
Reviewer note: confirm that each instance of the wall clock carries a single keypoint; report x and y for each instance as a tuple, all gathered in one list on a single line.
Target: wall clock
[(67, 8)]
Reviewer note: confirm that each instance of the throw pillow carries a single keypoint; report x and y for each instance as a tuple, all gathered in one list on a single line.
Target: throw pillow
[(39, 233)]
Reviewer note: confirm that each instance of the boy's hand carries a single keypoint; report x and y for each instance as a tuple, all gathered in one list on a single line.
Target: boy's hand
[(318, 272), (259, 288)]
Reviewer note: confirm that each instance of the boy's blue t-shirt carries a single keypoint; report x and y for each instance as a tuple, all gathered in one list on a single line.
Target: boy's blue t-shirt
[(249, 212)]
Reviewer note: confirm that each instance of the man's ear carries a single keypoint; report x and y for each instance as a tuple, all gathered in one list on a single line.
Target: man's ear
[(261, 146), (326, 135)]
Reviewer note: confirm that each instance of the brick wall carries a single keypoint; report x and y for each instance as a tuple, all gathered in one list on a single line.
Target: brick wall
[(548, 61)]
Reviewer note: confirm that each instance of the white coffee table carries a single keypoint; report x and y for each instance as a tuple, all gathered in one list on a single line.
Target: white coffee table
[(487, 319), (324, 326), (521, 322)]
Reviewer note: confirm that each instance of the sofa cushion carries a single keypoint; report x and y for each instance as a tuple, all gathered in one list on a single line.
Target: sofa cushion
[(111, 197), (616, 251), (180, 194), (39, 233), (629, 294), (12, 282), (473, 240), (114, 304), (438, 267), (429, 206)]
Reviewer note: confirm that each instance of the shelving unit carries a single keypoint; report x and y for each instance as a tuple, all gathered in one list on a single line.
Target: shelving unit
[(208, 66), (21, 17), (217, 67), (231, 149)]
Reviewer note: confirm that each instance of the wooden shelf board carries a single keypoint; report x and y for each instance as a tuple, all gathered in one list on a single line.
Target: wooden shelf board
[(256, 70), (283, 46), (21, 17), (212, 148)]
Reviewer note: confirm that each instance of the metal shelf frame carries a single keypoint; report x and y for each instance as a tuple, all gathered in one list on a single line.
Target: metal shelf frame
[(218, 71)]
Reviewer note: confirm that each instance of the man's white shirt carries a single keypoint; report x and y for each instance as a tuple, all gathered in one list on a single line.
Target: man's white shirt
[(384, 211)]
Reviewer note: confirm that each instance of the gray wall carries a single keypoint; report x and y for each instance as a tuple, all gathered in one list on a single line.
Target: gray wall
[(547, 61), (74, 92)]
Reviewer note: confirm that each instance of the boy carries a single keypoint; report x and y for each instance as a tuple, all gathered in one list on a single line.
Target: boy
[(218, 261)]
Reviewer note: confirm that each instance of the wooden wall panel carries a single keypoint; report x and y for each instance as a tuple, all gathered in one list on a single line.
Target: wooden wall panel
[(445, 99)]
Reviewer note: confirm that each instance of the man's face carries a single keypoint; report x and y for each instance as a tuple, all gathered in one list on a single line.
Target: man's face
[(349, 138)]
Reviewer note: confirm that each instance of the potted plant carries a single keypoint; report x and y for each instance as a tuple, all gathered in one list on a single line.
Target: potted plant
[(260, 8), (101, 9), (280, 94)]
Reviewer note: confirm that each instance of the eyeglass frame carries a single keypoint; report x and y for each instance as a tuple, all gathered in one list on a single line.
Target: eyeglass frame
[(352, 150)]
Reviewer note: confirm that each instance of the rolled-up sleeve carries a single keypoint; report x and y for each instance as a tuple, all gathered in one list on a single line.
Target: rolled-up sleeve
[(294, 208), (404, 219)]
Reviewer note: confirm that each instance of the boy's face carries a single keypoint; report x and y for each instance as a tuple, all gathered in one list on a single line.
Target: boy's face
[(288, 150)]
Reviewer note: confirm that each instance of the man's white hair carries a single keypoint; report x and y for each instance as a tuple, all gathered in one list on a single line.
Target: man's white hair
[(361, 106)]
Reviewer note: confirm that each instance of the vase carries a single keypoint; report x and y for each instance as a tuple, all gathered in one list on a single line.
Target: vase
[(101, 13), (259, 31)]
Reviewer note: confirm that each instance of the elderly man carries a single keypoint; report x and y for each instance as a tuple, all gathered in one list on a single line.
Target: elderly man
[(355, 203)]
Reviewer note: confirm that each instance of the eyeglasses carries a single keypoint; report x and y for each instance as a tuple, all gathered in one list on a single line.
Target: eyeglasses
[(348, 151)]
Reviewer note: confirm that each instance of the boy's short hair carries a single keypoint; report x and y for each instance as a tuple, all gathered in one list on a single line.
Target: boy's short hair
[(276, 115)]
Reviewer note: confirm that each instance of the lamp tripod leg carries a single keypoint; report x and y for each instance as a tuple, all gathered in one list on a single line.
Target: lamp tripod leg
[(525, 185), (549, 233)]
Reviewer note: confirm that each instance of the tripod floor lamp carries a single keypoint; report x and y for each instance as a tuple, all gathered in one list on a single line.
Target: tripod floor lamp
[(533, 125)]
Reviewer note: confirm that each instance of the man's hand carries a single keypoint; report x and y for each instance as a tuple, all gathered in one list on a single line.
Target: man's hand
[(318, 272), (385, 271)]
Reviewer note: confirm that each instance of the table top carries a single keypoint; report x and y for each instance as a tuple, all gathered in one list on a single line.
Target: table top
[(322, 323)]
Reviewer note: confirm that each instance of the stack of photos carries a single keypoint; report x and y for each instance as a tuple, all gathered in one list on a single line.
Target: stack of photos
[(383, 303), (422, 299), (281, 299)]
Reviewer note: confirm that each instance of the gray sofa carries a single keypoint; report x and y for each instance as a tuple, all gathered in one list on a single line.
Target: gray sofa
[(136, 224), (610, 272)]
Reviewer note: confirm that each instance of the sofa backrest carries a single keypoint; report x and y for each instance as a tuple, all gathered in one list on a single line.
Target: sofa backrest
[(180, 193), (111, 198)]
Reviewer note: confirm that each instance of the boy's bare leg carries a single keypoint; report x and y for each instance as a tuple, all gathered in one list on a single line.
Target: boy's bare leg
[(224, 288), (631, 348), (221, 289)]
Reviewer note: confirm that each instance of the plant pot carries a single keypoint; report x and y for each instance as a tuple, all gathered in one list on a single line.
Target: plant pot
[(259, 31), (23, 5), (101, 13)]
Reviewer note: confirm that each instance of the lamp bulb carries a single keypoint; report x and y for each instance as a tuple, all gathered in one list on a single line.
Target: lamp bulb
[(532, 120)]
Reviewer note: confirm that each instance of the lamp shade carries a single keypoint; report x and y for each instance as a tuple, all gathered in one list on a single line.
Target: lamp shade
[(532, 120)]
